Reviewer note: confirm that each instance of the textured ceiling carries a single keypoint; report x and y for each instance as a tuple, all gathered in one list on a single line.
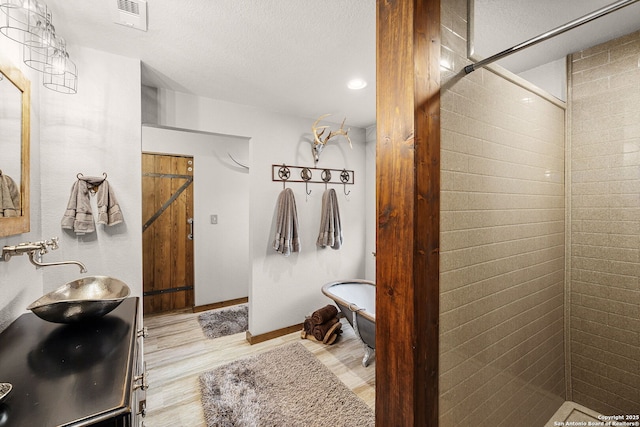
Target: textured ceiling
[(296, 56), (290, 56)]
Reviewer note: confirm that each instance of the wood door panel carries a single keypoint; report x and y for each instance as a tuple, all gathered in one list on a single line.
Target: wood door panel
[(148, 239), (179, 227), (167, 252), (163, 237)]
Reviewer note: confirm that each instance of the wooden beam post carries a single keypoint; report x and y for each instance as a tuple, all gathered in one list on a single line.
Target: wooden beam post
[(408, 192)]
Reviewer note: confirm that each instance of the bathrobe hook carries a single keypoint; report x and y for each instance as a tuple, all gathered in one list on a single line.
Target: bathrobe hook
[(306, 175), (92, 182), (326, 177), (284, 173), (80, 175), (345, 177)]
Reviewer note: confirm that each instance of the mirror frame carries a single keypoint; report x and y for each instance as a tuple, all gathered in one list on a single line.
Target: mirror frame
[(20, 224)]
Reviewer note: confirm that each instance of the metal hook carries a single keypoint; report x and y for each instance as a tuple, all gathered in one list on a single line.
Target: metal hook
[(345, 177), (306, 174), (326, 177), (284, 173)]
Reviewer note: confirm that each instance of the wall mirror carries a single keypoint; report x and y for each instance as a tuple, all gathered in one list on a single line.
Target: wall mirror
[(15, 107)]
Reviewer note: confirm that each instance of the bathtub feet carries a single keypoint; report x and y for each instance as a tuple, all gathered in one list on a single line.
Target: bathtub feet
[(368, 354)]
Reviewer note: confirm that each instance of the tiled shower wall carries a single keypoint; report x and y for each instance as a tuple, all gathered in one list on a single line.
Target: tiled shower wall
[(502, 245), (605, 226)]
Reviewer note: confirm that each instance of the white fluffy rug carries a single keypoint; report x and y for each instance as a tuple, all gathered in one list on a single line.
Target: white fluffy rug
[(286, 386)]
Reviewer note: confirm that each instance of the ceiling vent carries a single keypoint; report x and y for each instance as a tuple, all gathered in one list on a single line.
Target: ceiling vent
[(131, 13)]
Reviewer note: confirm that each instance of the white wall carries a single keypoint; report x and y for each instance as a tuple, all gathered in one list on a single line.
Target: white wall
[(371, 204), (551, 77), (283, 289), (221, 251), (94, 131), (20, 282)]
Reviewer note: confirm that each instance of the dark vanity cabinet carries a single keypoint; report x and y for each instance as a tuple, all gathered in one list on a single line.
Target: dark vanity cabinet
[(87, 374)]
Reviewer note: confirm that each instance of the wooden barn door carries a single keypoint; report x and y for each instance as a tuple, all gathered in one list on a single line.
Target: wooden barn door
[(167, 227)]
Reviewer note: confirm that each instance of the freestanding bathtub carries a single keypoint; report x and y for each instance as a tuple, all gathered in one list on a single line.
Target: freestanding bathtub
[(357, 301)]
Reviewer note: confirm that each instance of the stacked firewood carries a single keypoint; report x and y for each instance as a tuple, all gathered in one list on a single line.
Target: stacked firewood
[(323, 325)]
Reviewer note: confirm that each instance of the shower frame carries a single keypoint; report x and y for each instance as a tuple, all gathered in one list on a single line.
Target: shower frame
[(550, 34)]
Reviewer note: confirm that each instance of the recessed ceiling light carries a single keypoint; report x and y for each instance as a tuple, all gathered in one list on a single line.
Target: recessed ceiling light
[(356, 84)]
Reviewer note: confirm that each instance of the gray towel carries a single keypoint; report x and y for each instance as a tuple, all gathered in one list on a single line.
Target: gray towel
[(10, 205), (286, 239), (109, 212), (330, 224), (79, 217)]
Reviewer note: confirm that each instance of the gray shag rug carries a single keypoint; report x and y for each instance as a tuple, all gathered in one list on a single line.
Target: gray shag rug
[(226, 321), (286, 386)]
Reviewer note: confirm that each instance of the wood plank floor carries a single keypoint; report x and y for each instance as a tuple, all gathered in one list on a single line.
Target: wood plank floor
[(176, 352)]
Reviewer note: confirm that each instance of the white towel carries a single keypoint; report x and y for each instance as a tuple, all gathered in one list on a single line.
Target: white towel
[(330, 224), (286, 239)]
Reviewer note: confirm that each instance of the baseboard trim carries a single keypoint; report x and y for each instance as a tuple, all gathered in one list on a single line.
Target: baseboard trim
[(221, 304), (255, 339)]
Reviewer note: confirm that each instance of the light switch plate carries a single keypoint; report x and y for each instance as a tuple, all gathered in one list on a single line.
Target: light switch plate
[(214, 219)]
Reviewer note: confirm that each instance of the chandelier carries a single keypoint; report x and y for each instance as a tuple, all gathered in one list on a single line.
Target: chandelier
[(29, 23)]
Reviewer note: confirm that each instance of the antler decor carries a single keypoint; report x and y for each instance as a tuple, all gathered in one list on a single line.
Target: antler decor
[(319, 143)]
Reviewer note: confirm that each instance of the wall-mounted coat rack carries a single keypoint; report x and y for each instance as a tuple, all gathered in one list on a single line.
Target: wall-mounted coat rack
[(285, 173)]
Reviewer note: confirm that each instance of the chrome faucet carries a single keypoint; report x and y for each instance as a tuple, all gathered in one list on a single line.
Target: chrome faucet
[(37, 249), (29, 247)]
